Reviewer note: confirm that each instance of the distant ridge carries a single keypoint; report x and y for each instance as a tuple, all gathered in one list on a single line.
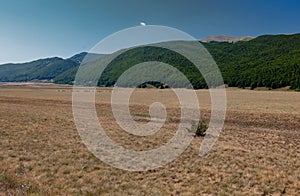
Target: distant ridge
[(43, 69), (85, 57), (223, 38), (271, 61)]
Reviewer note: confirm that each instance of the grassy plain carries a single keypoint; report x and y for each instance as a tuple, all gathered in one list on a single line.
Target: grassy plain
[(41, 153)]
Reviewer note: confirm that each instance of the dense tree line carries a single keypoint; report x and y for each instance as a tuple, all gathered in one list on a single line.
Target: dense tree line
[(267, 61)]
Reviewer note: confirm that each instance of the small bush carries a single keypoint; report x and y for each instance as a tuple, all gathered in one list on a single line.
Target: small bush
[(200, 130)]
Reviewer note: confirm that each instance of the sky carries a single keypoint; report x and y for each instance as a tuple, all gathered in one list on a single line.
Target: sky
[(33, 29)]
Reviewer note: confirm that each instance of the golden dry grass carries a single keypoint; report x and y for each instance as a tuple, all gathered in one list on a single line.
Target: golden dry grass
[(258, 151)]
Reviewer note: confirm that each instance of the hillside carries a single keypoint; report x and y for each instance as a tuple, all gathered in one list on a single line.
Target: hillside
[(271, 61), (266, 61), (42, 69)]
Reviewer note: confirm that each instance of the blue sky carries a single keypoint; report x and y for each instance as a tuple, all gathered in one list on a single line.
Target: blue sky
[(32, 29)]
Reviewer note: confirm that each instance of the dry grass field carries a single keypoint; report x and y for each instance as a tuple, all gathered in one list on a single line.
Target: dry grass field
[(41, 153)]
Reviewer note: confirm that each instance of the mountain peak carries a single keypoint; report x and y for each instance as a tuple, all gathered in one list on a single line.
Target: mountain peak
[(224, 38)]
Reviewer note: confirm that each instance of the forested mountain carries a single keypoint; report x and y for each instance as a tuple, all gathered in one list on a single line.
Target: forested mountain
[(267, 61), (43, 69)]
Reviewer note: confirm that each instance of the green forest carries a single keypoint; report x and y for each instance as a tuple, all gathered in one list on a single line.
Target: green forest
[(271, 61), (266, 61)]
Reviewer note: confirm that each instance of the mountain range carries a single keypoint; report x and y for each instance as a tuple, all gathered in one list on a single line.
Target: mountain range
[(271, 61)]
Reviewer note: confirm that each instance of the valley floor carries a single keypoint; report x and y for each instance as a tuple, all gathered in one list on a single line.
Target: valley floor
[(258, 151)]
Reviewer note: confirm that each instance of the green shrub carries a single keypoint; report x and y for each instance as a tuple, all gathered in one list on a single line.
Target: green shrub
[(200, 129)]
